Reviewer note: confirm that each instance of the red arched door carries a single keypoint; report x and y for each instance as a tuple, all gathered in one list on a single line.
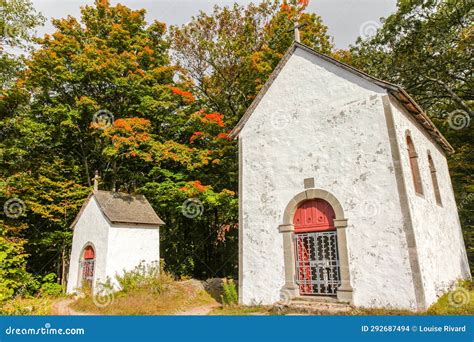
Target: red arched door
[(87, 265), (317, 260)]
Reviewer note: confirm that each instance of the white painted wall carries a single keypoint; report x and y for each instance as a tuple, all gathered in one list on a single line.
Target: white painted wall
[(441, 248), (92, 227), (130, 245), (318, 120), (117, 247)]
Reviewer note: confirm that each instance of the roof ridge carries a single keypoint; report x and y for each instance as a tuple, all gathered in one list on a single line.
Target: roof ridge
[(125, 208)]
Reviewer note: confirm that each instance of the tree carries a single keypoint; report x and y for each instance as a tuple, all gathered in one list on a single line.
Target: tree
[(111, 65), (17, 21), (426, 47), (99, 94), (229, 54)]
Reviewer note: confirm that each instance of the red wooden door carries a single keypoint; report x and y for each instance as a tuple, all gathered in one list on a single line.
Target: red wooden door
[(314, 215)]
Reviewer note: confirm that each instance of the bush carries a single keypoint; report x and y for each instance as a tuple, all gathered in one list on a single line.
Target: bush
[(50, 287), (459, 301), (229, 293), (152, 277)]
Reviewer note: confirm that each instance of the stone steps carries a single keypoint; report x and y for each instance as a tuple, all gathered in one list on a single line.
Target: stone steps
[(314, 305)]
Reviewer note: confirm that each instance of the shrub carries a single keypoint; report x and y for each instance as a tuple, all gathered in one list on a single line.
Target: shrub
[(459, 301), (152, 277), (229, 293), (14, 279), (50, 287)]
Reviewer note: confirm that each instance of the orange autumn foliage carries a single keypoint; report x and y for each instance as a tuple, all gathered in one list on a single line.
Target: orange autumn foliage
[(193, 186), (195, 136), (130, 137), (186, 95), (223, 136), (215, 118), (285, 7)]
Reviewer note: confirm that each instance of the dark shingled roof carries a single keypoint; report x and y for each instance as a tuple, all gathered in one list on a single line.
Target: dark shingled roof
[(124, 208), (396, 91)]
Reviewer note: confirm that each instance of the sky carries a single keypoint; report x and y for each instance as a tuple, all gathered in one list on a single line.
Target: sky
[(346, 19)]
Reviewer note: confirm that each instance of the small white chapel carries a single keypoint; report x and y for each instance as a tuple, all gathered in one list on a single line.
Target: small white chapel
[(113, 232)]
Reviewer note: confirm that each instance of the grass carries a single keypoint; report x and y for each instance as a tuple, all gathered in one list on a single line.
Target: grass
[(457, 302), (28, 306), (148, 294), (460, 301), (176, 298)]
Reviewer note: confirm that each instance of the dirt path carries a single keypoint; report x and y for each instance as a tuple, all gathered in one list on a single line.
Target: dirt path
[(61, 308), (199, 310)]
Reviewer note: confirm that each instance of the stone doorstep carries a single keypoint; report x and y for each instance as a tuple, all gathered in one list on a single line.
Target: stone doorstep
[(316, 299), (315, 305)]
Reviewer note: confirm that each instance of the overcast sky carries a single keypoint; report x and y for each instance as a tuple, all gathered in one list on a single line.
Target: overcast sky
[(346, 19)]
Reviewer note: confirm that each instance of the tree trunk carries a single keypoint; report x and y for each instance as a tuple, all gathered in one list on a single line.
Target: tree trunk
[(114, 175)]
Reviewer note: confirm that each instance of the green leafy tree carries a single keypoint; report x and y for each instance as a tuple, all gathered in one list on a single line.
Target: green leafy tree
[(17, 21)]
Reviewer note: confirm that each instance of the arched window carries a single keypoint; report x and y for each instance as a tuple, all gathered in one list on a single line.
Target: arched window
[(434, 179), (415, 170)]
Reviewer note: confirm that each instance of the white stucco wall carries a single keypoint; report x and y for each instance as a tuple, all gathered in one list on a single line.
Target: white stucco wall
[(320, 121), (117, 247), (440, 244), (92, 227), (128, 246)]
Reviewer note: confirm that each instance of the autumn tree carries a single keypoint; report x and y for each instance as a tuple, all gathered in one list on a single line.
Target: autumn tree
[(100, 94), (230, 53)]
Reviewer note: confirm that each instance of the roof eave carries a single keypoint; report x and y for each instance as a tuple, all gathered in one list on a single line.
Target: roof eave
[(417, 112), (139, 223)]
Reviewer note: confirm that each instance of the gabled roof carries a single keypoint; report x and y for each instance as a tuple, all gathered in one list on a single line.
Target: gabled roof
[(396, 91), (119, 207)]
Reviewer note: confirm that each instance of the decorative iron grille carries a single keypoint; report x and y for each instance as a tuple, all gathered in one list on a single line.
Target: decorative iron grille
[(317, 263), (87, 267)]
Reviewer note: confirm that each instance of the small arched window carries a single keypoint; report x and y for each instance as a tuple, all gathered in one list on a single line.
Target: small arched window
[(415, 170), (434, 179)]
